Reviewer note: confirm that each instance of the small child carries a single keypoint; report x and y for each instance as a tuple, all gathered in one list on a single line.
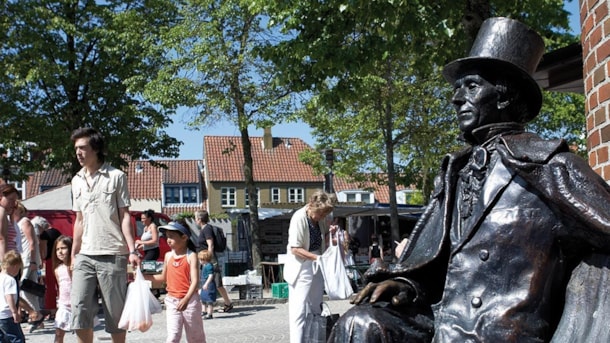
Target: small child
[(208, 289), (61, 266), (181, 274), (10, 318)]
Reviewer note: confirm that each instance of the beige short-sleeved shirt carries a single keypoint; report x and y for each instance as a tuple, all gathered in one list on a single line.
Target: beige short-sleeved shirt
[(99, 205)]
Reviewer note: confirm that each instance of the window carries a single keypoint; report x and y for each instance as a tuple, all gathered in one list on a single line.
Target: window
[(258, 197), (296, 195), (181, 194), (351, 197), (358, 196), (275, 195), (227, 197)]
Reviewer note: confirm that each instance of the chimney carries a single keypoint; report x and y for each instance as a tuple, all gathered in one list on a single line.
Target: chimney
[(267, 139)]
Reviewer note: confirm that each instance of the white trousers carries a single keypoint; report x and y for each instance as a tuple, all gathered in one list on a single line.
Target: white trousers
[(304, 295)]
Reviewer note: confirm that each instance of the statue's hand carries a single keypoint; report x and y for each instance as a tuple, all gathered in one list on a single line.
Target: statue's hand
[(396, 292)]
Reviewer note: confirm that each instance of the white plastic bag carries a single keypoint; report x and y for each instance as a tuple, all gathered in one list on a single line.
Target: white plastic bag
[(331, 264), (140, 304)]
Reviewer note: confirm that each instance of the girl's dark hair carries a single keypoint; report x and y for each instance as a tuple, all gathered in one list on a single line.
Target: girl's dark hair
[(96, 140), (149, 214), (67, 240), (7, 189)]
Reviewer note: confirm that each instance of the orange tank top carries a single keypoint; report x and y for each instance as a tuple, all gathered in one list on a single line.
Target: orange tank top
[(178, 275)]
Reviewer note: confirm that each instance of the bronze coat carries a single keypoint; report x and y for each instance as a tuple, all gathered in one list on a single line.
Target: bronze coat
[(541, 210)]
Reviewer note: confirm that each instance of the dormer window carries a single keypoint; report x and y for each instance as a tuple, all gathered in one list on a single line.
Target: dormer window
[(181, 194)]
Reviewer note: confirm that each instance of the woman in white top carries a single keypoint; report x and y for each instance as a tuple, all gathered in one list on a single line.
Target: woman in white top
[(149, 241), (307, 239), (30, 254)]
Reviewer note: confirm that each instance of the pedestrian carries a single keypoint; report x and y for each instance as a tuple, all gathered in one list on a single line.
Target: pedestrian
[(308, 237), (10, 317), (103, 238), (30, 256), (47, 238), (149, 241), (181, 274), (205, 241), (208, 287), (8, 234), (63, 275), (375, 251)]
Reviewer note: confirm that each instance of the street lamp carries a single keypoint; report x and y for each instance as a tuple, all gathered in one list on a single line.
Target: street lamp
[(329, 155)]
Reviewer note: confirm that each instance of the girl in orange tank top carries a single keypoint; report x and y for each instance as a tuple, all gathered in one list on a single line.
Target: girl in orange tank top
[(181, 273)]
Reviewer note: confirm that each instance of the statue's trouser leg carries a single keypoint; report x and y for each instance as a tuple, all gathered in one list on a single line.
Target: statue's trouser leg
[(382, 324)]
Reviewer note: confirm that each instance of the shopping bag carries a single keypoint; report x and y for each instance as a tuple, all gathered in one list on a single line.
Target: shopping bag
[(33, 287), (319, 326), (332, 267), (137, 314)]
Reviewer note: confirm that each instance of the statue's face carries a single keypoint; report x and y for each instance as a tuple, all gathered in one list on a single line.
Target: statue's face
[(476, 102)]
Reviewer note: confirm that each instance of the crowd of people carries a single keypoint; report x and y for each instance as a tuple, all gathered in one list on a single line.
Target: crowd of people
[(25, 244), (96, 257)]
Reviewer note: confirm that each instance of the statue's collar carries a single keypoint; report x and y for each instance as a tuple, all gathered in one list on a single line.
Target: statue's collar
[(486, 133)]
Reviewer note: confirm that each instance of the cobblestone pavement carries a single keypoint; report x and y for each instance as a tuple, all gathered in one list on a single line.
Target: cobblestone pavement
[(250, 321)]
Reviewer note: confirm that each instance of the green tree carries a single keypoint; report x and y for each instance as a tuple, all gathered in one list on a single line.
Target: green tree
[(373, 68), (69, 64), (215, 70)]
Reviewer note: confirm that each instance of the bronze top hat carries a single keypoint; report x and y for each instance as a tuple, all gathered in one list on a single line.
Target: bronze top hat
[(508, 46)]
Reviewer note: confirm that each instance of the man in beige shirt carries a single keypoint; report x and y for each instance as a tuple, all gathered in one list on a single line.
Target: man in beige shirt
[(103, 238)]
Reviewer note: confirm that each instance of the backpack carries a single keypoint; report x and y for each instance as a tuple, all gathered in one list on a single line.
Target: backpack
[(220, 240)]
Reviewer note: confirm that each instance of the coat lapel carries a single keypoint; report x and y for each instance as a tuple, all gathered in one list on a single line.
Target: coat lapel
[(496, 181)]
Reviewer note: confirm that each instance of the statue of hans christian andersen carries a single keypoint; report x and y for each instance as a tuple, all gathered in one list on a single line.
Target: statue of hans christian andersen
[(512, 246)]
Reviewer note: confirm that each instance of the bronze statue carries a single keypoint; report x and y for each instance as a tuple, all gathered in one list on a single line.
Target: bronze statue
[(511, 217)]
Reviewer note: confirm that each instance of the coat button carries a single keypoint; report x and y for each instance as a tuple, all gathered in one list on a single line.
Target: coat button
[(476, 302), (484, 255)]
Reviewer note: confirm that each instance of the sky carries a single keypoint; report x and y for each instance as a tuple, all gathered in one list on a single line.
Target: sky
[(192, 147)]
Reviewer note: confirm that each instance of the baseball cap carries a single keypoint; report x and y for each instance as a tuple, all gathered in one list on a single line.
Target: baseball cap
[(175, 226)]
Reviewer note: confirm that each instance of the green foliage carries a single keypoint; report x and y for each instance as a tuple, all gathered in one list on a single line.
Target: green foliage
[(374, 69), (191, 215), (214, 68), (69, 64), (416, 198), (563, 116)]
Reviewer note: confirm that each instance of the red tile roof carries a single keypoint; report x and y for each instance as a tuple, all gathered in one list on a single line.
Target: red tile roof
[(224, 160), (47, 179), (146, 181)]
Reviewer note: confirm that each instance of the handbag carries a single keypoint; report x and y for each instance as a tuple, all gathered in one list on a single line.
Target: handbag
[(332, 267), (33, 287), (319, 326), (140, 304)]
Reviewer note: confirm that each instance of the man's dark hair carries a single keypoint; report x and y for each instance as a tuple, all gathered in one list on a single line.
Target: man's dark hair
[(511, 89), (96, 140), (203, 215)]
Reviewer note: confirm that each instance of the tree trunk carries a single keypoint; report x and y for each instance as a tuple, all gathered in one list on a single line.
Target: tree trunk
[(253, 199)]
